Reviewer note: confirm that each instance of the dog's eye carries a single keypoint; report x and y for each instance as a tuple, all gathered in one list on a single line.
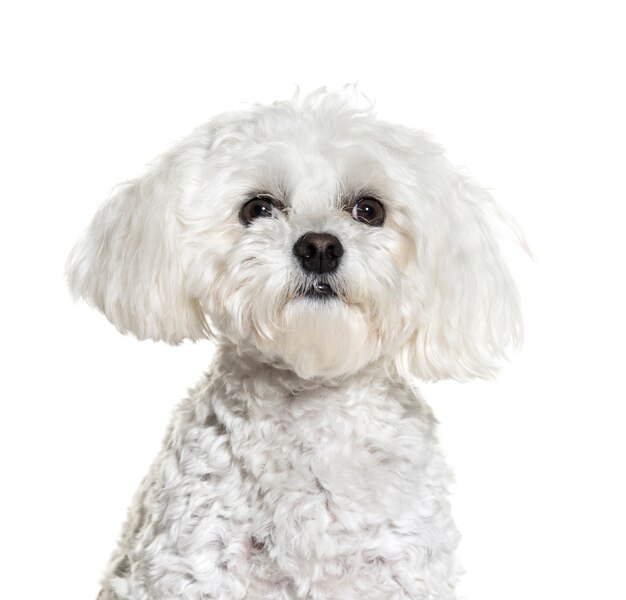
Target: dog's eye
[(260, 206), (369, 211)]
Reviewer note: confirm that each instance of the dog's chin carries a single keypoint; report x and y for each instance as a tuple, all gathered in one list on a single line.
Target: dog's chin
[(320, 336)]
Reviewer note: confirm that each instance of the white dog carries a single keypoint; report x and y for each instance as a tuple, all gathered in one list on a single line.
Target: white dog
[(332, 257)]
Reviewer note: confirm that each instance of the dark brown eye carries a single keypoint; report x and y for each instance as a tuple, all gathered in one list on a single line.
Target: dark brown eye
[(258, 207), (369, 211)]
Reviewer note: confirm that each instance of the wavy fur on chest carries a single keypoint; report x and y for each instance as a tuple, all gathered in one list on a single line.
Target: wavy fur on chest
[(263, 490)]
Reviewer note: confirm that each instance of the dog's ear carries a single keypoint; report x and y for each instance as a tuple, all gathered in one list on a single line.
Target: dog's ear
[(469, 314), (129, 262)]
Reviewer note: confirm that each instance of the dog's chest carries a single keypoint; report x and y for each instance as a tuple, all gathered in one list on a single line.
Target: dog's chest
[(297, 494), (329, 471)]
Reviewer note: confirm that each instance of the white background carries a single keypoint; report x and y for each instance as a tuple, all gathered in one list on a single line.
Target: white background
[(529, 96)]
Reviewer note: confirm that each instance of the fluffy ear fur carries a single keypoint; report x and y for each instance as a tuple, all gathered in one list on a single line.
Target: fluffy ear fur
[(469, 310), (128, 263)]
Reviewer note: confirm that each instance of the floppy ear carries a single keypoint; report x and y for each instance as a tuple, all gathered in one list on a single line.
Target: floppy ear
[(469, 310), (129, 262)]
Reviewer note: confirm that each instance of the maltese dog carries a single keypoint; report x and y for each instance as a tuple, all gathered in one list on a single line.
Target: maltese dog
[(333, 258)]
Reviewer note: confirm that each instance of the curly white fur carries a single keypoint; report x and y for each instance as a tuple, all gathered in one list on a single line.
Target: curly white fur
[(304, 466)]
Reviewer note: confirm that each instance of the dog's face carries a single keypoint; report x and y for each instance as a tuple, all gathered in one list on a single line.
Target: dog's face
[(312, 234)]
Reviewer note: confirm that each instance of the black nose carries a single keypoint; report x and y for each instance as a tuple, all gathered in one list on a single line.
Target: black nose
[(318, 252)]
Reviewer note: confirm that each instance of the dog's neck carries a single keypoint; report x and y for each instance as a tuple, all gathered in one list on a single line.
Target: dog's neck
[(243, 389), (248, 367)]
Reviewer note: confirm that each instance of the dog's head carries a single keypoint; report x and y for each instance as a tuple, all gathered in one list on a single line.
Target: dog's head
[(313, 234)]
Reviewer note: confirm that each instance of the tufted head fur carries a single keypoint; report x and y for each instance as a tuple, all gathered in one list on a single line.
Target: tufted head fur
[(173, 254)]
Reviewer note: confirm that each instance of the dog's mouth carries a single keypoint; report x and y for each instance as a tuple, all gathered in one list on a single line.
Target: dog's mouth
[(317, 290)]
